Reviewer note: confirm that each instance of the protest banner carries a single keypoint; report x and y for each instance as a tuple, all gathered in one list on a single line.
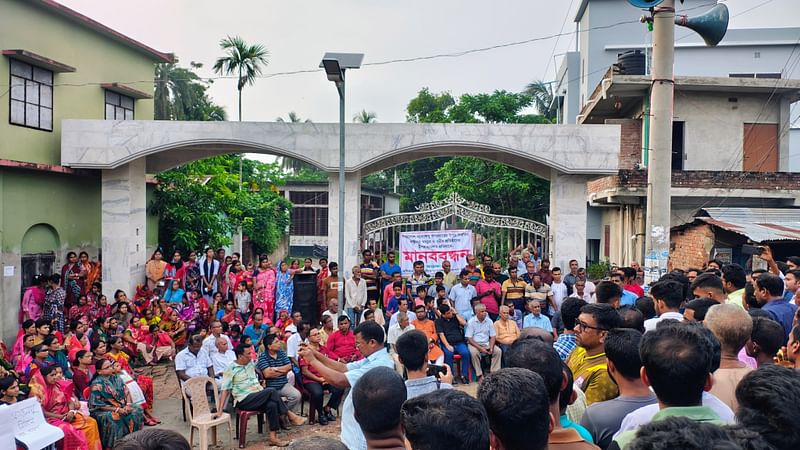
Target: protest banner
[(434, 247)]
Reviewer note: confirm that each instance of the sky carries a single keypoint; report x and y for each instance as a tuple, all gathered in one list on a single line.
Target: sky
[(298, 33)]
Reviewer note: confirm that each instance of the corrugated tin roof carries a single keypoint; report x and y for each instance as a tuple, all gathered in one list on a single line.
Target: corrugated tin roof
[(758, 224)]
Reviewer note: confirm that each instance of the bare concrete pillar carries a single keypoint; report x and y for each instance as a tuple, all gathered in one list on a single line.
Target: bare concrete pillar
[(123, 227), (352, 223), (568, 218)]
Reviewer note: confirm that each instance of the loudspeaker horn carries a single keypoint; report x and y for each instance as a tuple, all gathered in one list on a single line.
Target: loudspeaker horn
[(711, 26)]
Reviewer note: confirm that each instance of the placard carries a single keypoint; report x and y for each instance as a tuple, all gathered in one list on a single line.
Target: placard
[(433, 248)]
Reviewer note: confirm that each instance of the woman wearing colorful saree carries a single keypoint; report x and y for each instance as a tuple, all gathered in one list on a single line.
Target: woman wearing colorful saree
[(264, 288), (33, 298), (38, 359), (111, 406), (175, 270), (80, 309), (60, 408), (28, 327), (284, 291), (154, 270), (230, 315), (144, 382), (192, 280), (76, 339), (175, 293), (175, 328), (82, 371), (74, 277)]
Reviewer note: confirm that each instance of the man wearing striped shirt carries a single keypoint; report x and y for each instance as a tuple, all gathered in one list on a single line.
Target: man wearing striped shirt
[(274, 365)]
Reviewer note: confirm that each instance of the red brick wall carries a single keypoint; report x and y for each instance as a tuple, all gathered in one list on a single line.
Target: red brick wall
[(630, 146), (691, 246), (702, 179)]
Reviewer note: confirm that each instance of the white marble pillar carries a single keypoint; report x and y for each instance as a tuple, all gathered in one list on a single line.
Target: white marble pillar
[(568, 218), (123, 227), (352, 220)]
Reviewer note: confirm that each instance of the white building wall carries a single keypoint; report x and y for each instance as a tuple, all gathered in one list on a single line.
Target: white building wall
[(714, 129)]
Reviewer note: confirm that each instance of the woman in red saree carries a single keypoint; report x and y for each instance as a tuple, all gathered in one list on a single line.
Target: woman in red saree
[(81, 309), (230, 314), (60, 408), (76, 339), (28, 327), (175, 327)]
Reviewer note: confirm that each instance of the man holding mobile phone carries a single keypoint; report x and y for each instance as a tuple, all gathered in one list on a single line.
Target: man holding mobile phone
[(412, 350)]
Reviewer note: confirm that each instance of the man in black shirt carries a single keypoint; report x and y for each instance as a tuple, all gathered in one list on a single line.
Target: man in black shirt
[(449, 328)]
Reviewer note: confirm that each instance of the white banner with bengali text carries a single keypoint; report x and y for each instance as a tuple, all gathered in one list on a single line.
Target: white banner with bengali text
[(434, 247)]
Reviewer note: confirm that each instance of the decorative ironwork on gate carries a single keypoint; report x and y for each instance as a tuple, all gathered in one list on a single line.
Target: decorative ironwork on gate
[(498, 233)]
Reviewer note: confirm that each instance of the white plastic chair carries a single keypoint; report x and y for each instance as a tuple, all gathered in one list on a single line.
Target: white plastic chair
[(200, 411)]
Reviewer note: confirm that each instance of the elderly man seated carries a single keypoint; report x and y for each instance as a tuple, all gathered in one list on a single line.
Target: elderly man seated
[(222, 358), (481, 336)]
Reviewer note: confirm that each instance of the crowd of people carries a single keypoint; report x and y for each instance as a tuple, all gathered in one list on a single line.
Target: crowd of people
[(561, 361)]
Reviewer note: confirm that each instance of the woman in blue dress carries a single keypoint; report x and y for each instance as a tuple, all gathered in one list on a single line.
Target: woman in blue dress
[(284, 289)]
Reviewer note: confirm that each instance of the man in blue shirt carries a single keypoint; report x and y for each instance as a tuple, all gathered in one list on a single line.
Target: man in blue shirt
[(369, 341), (769, 294), (535, 318), (388, 268), (257, 330), (462, 294), (274, 365)]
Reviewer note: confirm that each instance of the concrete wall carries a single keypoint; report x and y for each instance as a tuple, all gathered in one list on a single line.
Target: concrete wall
[(96, 58), (714, 130), (794, 153)]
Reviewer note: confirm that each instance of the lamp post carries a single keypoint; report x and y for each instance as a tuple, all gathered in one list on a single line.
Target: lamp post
[(335, 65)]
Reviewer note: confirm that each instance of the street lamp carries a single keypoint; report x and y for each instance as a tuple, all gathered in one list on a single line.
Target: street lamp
[(335, 65)]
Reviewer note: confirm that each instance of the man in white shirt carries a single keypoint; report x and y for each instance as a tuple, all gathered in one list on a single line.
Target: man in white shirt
[(222, 358), (294, 341), (667, 297), (210, 342), (559, 288), (355, 296), (403, 325), (402, 308), (480, 336), (192, 361)]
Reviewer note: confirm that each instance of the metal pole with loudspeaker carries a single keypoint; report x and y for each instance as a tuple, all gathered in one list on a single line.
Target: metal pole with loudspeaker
[(711, 27)]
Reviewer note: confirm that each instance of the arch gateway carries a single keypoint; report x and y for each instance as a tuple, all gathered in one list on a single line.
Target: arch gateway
[(566, 155)]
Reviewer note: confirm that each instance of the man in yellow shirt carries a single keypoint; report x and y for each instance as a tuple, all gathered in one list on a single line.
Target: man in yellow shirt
[(588, 361), (734, 279), (514, 289)]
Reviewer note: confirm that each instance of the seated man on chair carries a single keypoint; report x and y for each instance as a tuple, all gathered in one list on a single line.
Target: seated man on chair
[(481, 337), (274, 365), (193, 361), (240, 381), (222, 358)]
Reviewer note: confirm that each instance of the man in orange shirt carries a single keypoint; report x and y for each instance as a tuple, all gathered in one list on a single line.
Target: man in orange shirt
[(507, 329), (428, 327)]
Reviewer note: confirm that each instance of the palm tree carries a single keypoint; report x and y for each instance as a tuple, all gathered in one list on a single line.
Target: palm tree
[(365, 117), (242, 59), (180, 94), (293, 118), (542, 94)]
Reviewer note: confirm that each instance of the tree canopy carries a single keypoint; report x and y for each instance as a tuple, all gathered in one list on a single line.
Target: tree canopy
[(505, 189)]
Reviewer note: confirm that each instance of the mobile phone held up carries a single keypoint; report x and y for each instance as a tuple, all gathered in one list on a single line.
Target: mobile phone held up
[(435, 370), (748, 249)]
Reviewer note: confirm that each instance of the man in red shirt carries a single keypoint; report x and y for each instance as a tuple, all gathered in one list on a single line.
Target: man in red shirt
[(629, 281), (342, 342), (490, 293)]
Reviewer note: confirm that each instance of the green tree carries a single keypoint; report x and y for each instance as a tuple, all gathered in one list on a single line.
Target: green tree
[(293, 118), (242, 59), (180, 94), (505, 189), (365, 116), (199, 204)]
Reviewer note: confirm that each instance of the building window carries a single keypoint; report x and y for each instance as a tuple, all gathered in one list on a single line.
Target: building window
[(678, 153), (309, 214), (118, 106), (371, 207), (31, 96)]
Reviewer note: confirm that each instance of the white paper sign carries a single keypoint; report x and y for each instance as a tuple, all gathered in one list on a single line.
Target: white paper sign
[(434, 247), (8, 271), (30, 427)]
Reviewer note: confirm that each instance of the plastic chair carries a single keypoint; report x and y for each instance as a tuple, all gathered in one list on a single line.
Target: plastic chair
[(242, 417), (457, 367), (183, 400), (200, 412)]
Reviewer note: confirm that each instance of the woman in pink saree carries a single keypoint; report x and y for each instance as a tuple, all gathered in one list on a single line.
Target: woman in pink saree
[(60, 408), (33, 299), (264, 288)]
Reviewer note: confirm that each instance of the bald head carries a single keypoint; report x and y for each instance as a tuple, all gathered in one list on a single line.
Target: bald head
[(539, 333), (731, 325), (222, 344)]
